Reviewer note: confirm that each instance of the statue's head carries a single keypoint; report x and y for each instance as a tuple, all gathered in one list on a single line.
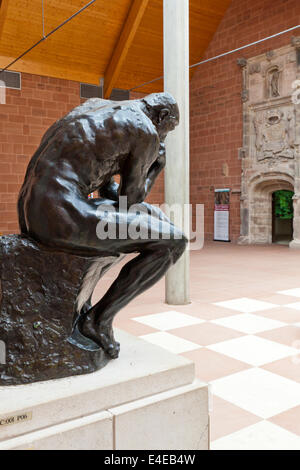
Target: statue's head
[(163, 111)]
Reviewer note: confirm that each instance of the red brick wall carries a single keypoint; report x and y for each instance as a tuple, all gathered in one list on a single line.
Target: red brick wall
[(23, 120), (216, 108)]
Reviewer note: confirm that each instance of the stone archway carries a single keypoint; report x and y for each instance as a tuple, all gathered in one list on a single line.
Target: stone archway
[(260, 206)]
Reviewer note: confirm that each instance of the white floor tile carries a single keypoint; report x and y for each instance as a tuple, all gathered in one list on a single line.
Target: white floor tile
[(168, 320), (260, 436), (258, 391), (294, 305), (253, 350), (246, 305), (292, 292), (170, 342), (248, 323)]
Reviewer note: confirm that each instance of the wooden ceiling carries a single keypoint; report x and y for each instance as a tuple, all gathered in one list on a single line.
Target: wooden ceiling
[(120, 40)]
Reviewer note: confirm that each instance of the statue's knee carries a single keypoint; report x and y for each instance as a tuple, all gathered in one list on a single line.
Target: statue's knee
[(154, 211)]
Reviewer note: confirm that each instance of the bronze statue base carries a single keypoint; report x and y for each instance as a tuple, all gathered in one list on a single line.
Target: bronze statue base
[(39, 288)]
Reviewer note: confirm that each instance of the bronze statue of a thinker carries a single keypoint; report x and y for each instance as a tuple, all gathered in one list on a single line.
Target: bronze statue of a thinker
[(80, 154)]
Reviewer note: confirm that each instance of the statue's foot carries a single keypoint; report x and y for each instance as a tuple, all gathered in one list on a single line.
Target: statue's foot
[(108, 343), (102, 335)]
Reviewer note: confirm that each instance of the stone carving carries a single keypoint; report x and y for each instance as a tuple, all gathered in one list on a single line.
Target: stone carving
[(241, 153), (242, 62), (295, 41), (254, 68), (271, 147), (270, 55), (296, 92), (273, 77), (245, 95), (274, 134), (49, 327)]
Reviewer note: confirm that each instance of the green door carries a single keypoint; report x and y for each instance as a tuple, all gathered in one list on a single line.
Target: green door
[(282, 220)]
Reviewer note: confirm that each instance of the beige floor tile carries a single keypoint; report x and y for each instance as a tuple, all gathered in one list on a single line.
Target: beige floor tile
[(206, 333), (286, 315), (134, 328), (278, 299), (203, 310), (133, 310), (208, 311), (226, 418), (289, 335), (289, 420), (211, 365), (288, 367)]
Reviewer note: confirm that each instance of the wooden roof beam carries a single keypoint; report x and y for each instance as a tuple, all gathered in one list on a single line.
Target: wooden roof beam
[(126, 38), (3, 11)]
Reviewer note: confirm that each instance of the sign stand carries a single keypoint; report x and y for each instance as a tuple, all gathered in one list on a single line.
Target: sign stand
[(221, 215)]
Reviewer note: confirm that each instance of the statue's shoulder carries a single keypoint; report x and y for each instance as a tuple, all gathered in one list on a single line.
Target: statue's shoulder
[(127, 114), (139, 120), (89, 106), (84, 108)]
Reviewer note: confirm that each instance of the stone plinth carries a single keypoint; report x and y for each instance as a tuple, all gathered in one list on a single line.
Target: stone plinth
[(147, 399), (38, 292)]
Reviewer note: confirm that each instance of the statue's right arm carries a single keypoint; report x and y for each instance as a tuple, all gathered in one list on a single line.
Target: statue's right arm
[(136, 179), (156, 168)]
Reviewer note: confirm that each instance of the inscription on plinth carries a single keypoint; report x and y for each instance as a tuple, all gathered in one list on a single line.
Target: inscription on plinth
[(16, 419)]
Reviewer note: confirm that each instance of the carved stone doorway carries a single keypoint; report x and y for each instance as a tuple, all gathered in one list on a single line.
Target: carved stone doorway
[(271, 142), (262, 227), (282, 217)]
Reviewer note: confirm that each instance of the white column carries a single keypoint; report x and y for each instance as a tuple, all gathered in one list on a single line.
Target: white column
[(176, 82)]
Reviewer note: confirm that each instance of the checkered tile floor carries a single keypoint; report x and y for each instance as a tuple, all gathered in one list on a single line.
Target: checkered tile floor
[(248, 350), (245, 357)]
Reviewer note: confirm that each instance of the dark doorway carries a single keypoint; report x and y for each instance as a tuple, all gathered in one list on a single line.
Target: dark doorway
[(282, 220)]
